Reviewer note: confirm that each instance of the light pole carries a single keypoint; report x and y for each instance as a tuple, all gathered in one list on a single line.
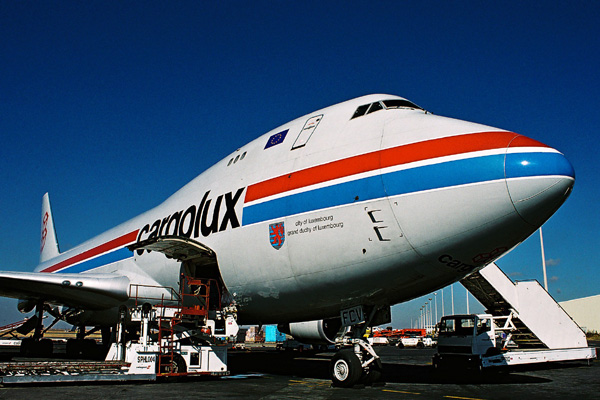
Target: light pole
[(430, 312), (543, 260), (452, 296), (436, 316), (443, 314), (467, 300)]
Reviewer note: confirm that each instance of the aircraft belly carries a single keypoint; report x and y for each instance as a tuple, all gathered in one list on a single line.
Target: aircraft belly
[(256, 268), (323, 293), (329, 257)]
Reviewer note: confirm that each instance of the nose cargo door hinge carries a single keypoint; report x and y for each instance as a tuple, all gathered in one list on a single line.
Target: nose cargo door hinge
[(377, 228)]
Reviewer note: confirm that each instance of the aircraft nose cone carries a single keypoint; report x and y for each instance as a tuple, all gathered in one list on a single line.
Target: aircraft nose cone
[(539, 179)]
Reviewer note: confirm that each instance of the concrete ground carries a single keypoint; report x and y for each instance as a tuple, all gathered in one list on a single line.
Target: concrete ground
[(269, 374)]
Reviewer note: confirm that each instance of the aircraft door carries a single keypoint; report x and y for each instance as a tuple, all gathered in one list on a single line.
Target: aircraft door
[(201, 285), (385, 228), (307, 131), (199, 267)]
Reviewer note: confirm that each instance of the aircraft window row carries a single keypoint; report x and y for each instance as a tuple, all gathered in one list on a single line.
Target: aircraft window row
[(383, 105), (236, 159)]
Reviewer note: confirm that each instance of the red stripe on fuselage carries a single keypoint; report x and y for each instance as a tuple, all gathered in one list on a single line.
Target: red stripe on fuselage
[(103, 248), (387, 158)]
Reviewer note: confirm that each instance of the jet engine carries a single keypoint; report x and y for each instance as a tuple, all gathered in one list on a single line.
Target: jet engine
[(322, 331)]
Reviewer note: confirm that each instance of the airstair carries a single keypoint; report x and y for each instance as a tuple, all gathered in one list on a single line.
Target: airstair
[(532, 318)]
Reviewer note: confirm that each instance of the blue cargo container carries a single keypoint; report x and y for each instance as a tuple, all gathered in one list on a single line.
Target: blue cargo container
[(272, 335)]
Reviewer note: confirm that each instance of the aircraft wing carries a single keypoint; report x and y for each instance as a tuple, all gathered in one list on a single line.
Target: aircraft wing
[(94, 291), (91, 291)]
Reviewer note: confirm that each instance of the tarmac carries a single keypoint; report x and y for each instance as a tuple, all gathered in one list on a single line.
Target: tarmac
[(270, 374)]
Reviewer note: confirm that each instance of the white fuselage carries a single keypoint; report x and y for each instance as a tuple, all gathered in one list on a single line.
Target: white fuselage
[(377, 209)]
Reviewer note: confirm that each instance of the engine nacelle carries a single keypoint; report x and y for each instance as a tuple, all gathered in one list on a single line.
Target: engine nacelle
[(25, 306), (322, 331)]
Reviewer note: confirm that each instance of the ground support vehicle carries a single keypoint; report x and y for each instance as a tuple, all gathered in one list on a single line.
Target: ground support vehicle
[(475, 341), (418, 342), (174, 340), (378, 341), (523, 325), (171, 351), (538, 356), (415, 338), (22, 372), (410, 341)]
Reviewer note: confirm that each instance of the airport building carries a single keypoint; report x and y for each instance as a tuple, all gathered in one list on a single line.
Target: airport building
[(585, 311)]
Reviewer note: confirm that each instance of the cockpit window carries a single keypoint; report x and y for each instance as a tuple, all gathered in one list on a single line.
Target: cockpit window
[(360, 111), (375, 107), (385, 104), (399, 103)]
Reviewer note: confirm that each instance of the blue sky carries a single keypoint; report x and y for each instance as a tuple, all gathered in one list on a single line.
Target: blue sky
[(112, 106)]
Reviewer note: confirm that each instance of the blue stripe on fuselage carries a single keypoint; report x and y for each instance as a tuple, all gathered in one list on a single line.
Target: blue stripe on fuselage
[(105, 259), (537, 164), (436, 176)]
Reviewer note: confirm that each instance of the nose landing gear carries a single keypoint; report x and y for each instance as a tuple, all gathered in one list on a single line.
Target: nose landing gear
[(356, 362)]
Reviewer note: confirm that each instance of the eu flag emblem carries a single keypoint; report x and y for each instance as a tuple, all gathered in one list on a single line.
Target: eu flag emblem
[(277, 235), (275, 139)]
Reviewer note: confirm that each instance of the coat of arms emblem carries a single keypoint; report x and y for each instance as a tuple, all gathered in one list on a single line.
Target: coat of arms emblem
[(277, 234)]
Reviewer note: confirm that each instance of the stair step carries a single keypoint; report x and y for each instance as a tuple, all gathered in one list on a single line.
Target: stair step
[(541, 321)]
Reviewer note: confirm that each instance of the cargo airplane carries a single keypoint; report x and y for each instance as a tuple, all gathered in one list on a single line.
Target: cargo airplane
[(323, 222)]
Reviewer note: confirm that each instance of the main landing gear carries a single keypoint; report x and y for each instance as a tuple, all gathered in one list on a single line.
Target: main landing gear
[(82, 348), (39, 347), (36, 345), (356, 362)]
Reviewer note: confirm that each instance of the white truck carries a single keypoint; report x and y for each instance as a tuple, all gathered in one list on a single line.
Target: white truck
[(429, 341), (409, 341), (415, 339), (482, 340), (378, 341)]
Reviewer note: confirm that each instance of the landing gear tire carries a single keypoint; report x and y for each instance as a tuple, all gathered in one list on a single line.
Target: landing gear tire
[(36, 348), (346, 369), (82, 348), (175, 366), (26, 349), (73, 349), (439, 364), (479, 368), (46, 347), (374, 374)]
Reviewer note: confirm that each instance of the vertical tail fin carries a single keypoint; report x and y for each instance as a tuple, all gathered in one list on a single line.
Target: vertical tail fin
[(48, 243)]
